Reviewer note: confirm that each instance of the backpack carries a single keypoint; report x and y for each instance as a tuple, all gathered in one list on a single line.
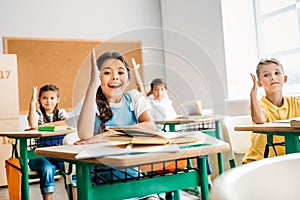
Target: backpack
[(14, 175)]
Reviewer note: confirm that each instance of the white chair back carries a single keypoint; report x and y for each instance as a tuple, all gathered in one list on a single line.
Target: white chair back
[(272, 178), (239, 140)]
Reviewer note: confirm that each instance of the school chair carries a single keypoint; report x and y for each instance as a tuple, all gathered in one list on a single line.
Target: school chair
[(238, 140), (274, 178)]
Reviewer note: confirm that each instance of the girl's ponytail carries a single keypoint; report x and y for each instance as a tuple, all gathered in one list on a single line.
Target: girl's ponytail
[(104, 109)]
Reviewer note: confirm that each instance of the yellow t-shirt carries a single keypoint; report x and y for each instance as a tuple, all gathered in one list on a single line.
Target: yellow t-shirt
[(289, 109)]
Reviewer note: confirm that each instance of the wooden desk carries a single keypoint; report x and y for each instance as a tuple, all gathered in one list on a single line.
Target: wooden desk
[(291, 135), (210, 124), (25, 153), (152, 185)]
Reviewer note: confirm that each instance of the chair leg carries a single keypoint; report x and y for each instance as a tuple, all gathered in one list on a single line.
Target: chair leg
[(232, 163)]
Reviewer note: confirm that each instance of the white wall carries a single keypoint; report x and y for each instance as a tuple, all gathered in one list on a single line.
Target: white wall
[(89, 19), (194, 51), (189, 52)]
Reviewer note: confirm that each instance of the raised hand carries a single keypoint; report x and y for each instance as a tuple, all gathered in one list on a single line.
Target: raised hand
[(254, 87), (34, 94), (135, 66), (137, 76), (95, 73)]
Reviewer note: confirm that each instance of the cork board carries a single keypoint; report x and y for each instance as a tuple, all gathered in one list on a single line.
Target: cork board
[(63, 62)]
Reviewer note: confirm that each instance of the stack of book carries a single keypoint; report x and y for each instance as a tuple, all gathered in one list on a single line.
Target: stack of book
[(122, 140)]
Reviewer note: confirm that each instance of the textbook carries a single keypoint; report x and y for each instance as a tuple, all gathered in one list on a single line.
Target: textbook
[(53, 128), (106, 149), (295, 123), (140, 135), (133, 130)]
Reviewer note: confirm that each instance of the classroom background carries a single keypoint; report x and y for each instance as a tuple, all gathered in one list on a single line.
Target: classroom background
[(192, 44)]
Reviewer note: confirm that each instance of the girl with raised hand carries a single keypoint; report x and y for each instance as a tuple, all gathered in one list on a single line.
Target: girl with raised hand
[(48, 113), (107, 104)]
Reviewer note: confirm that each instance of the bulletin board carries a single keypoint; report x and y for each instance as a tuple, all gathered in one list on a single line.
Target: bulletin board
[(65, 63)]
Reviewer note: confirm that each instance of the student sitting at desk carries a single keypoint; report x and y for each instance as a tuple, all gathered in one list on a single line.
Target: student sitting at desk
[(162, 107), (47, 113), (273, 106), (113, 106)]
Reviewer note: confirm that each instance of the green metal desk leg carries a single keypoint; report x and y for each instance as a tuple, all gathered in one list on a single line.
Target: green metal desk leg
[(291, 143), (203, 177), (24, 167), (84, 185), (177, 195), (220, 155), (172, 127)]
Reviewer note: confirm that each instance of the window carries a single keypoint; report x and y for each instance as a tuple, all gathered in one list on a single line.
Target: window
[(278, 36)]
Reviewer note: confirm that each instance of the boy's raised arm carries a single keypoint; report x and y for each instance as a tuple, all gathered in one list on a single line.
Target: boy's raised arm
[(256, 113)]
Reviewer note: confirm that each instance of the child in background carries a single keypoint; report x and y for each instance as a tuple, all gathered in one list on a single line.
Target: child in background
[(48, 113), (273, 106), (162, 107), (113, 106)]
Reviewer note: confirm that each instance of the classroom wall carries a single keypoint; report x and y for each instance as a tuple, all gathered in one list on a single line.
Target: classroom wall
[(89, 19), (194, 51), (188, 51)]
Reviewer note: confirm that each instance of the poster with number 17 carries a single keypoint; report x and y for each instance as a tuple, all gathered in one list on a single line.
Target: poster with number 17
[(9, 100)]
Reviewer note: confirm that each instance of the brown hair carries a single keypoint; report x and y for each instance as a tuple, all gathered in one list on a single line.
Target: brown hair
[(101, 100), (43, 89), (267, 61), (158, 81)]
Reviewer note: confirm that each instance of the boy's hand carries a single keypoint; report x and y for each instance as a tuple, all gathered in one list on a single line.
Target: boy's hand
[(254, 88), (95, 73)]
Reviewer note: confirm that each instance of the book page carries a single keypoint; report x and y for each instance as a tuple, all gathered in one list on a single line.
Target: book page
[(134, 131), (100, 150)]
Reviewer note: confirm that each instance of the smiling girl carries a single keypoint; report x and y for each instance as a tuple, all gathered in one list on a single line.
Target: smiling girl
[(48, 113), (114, 107), (107, 104)]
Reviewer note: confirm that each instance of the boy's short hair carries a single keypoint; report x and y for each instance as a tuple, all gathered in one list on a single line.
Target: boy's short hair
[(158, 81), (267, 61)]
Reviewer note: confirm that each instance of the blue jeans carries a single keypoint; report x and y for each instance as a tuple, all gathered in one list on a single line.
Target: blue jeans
[(46, 167), (209, 169)]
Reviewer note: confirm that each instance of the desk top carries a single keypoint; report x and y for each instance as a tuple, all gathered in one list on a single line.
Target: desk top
[(34, 134), (267, 127), (191, 119), (207, 145)]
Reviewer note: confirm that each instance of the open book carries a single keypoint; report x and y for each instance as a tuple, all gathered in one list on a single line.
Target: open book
[(133, 130), (107, 149), (140, 135), (295, 122)]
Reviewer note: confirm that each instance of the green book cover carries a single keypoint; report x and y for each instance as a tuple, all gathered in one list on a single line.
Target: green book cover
[(52, 128)]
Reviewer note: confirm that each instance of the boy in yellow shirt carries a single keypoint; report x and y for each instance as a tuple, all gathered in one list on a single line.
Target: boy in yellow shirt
[(273, 106)]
